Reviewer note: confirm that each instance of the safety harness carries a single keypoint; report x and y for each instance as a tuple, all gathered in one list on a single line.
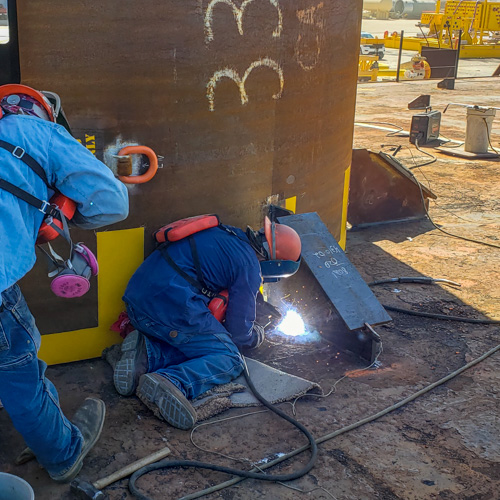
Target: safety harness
[(71, 276), (185, 228), (44, 206)]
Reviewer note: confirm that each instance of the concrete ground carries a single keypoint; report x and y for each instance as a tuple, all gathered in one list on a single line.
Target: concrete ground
[(444, 445)]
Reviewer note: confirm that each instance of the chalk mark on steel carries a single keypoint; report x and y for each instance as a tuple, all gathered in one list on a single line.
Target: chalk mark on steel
[(240, 82), (312, 17), (238, 16)]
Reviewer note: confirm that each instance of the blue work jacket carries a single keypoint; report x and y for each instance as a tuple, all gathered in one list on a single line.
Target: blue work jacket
[(70, 168), (228, 262)]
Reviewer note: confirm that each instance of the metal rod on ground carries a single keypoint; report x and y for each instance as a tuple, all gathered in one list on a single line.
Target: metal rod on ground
[(399, 56), (458, 53)]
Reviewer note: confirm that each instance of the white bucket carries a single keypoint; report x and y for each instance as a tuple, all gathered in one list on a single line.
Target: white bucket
[(15, 488), (478, 131)]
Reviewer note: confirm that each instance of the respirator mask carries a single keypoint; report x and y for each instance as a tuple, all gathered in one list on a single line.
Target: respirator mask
[(71, 276)]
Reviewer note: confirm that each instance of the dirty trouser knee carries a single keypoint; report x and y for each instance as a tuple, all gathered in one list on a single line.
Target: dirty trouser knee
[(30, 399), (195, 362)]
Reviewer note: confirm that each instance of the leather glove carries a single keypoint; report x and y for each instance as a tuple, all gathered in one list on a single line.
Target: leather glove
[(267, 314), (258, 335)]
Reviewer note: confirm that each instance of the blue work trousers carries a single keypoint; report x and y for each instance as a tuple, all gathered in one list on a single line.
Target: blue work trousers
[(194, 362), (31, 399)]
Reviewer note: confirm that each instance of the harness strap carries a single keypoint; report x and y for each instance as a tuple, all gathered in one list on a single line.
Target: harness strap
[(199, 286), (196, 260), (44, 206), (19, 153)]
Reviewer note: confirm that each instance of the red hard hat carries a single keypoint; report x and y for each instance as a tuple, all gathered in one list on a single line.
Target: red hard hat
[(283, 239), (32, 96)]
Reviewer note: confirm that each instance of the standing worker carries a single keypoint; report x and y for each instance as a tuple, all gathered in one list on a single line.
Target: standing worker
[(38, 157), (179, 349)]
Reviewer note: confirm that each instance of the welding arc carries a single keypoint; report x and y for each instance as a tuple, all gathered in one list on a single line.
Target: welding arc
[(169, 464)]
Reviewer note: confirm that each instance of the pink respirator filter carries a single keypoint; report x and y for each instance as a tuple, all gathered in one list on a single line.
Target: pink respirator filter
[(75, 282)]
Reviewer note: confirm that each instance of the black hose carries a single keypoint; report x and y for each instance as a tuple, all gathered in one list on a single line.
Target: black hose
[(426, 280), (442, 316), (169, 464)]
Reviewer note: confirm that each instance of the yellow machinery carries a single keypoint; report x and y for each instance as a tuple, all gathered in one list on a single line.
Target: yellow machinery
[(479, 21), (368, 68)]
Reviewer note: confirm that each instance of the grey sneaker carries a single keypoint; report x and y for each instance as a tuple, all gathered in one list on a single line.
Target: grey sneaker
[(89, 418), (157, 391), (132, 364)]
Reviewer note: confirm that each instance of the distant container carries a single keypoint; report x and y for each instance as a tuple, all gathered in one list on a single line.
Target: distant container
[(414, 10), (377, 5), (14, 488)]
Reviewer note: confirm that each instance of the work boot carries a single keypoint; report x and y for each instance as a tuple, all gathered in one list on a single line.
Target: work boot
[(157, 391), (132, 364), (89, 419)]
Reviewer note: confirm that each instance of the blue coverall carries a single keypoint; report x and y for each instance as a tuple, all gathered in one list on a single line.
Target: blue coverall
[(184, 342), (31, 399)]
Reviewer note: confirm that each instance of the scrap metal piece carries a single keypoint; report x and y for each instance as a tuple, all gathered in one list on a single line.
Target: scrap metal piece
[(421, 102), (383, 190)]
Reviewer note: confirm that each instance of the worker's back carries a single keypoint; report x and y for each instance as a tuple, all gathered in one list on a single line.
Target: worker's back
[(227, 262)]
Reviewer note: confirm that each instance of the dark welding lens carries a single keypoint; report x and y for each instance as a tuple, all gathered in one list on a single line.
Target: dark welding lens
[(26, 104)]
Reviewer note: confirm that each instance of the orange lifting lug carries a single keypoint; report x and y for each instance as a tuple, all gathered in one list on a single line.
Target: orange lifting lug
[(153, 164)]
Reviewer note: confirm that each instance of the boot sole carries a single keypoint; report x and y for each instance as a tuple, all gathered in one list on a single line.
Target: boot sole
[(172, 409), (124, 376)]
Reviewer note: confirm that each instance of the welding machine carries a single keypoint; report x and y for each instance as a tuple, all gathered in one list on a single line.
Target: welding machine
[(425, 127)]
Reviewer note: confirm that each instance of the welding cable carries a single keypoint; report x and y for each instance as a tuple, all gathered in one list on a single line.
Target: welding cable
[(348, 428), (169, 464), (392, 133), (479, 242), (426, 280), (433, 160), (442, 316), (417, 165), (488, 136)]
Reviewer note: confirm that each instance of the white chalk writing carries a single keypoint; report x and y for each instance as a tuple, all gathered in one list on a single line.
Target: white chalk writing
[(312, 23), (238, 16), (328, 251), (340, 272), (240, 82)]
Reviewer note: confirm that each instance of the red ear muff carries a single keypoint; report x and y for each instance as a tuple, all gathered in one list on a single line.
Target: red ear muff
[(67, 207)]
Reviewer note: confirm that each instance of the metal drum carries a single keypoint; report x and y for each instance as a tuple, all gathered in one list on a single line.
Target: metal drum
[(246, 102)]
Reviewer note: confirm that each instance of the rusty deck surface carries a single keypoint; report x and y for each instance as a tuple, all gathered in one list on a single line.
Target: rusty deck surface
[(442, 446)]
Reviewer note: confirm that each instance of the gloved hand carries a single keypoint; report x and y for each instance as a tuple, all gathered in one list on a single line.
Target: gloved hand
[(267, 314), (258, 335)]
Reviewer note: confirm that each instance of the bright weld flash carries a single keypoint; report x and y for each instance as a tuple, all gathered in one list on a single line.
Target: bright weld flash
[(292, 324)]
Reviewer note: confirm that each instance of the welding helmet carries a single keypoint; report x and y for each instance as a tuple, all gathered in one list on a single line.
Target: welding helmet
[(279, 247), (23, 100)]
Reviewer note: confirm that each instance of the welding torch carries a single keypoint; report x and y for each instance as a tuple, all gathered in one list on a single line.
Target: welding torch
[(267, 314)]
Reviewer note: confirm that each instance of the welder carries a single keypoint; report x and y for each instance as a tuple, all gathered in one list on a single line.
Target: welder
[(179, 350), (39, 157)]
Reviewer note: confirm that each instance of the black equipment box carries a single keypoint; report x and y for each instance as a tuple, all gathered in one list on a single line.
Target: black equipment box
[(425, 127)]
